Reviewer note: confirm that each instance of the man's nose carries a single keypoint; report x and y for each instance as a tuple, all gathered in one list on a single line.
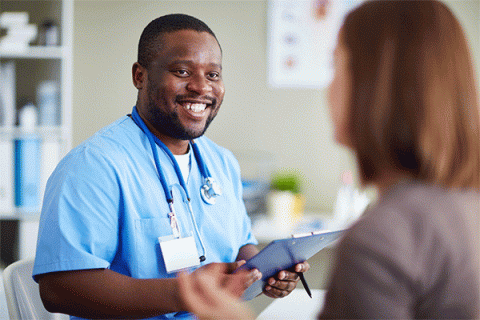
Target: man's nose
[(199, 84)]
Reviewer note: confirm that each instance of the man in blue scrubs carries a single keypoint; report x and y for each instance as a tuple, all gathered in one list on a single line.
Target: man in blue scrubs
[(110, 242)]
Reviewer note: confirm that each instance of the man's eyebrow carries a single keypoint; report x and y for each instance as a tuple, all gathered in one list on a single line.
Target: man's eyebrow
[(216, 65), (181, 62)]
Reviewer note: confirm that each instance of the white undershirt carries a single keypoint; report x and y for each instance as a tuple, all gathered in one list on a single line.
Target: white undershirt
[(183, 161)]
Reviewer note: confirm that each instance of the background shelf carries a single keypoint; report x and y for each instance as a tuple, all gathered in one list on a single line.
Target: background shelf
[(35, 52), (23, 73)]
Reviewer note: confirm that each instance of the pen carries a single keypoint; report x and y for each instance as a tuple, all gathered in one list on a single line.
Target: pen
[(304, 282)]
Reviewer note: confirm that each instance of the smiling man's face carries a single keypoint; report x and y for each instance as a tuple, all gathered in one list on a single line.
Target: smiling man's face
[(185, 86)]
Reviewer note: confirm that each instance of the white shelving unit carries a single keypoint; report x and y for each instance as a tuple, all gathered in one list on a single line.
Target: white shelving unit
[(32, 66)]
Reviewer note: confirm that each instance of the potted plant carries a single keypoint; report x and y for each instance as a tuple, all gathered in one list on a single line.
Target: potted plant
[(285, 201)]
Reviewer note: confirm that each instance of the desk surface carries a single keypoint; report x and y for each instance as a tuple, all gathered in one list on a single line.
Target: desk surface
[(265, 229), (297, 305)]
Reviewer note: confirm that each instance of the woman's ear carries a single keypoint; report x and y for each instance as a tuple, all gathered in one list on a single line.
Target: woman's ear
[(139, 75)]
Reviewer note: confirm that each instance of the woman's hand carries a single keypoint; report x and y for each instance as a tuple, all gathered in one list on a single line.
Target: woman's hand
[(211, 292)]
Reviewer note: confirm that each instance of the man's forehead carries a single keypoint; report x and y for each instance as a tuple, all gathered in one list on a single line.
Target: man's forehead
[(166, 38)]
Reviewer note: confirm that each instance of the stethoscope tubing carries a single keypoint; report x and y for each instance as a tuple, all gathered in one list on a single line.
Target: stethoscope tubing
[(155, 141), (169, 196), (203, 167)]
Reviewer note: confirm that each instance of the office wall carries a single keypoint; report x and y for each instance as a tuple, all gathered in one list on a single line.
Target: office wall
[(291, 124)]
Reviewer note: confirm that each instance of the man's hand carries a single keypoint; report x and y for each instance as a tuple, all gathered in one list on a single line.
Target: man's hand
[(284, 282)]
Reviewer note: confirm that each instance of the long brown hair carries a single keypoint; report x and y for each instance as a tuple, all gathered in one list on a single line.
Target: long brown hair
[(414, 98)]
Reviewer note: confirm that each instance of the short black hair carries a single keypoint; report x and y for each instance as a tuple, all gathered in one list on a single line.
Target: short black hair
[(148, 44)]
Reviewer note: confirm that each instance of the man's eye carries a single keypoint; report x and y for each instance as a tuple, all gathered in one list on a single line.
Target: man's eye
[(214, 75), (182, 72)]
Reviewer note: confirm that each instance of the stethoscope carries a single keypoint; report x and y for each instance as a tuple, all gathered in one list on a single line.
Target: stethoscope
[(209, 191)]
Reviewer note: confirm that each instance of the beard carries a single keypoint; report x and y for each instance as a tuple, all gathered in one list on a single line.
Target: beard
[(169, 124)]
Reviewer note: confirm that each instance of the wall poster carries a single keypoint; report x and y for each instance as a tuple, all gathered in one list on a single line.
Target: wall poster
[(302, 35)]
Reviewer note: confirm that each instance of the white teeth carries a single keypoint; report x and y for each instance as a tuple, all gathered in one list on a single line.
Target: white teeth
[(195, 107)]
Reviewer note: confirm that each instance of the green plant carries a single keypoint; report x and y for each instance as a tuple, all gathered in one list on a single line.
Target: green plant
[(286, 181)]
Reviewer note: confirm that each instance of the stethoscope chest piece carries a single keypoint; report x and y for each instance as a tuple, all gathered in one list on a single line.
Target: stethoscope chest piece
[(210, 191)]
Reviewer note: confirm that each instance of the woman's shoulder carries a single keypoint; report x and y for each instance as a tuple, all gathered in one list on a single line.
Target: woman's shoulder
[(416, 217)]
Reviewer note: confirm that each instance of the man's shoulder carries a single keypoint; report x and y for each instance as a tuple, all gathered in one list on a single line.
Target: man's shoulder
[(213, 150), (207, 143), (218, 156), (106, 158), (115, 132), (120, 132), (121, 136)]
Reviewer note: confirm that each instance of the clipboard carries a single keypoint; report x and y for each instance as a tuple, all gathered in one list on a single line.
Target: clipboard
[(284, 254)]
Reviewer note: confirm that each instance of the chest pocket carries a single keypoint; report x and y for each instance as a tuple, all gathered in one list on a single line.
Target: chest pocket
[(148, 258)]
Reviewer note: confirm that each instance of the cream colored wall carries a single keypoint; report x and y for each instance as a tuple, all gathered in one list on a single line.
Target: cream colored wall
[(292, 124)]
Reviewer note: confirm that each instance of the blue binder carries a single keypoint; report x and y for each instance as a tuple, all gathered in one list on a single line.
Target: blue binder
[(284, 254)]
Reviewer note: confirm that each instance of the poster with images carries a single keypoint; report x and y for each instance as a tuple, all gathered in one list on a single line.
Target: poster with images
[(302, 35)]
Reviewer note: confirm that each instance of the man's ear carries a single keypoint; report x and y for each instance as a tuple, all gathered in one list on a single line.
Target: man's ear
[(139, 75)]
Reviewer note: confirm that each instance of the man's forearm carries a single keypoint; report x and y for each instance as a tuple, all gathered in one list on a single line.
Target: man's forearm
[(103, 293)]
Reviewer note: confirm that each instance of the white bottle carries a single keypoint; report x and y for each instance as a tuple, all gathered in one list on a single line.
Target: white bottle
[(345, 202), (48, 103)]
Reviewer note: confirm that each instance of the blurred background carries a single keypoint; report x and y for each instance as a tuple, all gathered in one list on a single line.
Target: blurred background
[(271, 130), (288, 128)]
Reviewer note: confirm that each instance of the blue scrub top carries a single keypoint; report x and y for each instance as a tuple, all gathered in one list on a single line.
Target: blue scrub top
[(104, 207)]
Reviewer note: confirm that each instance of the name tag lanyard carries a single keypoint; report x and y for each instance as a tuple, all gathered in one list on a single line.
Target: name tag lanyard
[(168, 193)]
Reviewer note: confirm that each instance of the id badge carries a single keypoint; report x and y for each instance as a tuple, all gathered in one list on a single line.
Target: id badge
[(179, 253)]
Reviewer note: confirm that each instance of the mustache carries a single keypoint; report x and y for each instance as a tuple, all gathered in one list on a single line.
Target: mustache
[(196, 97)]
